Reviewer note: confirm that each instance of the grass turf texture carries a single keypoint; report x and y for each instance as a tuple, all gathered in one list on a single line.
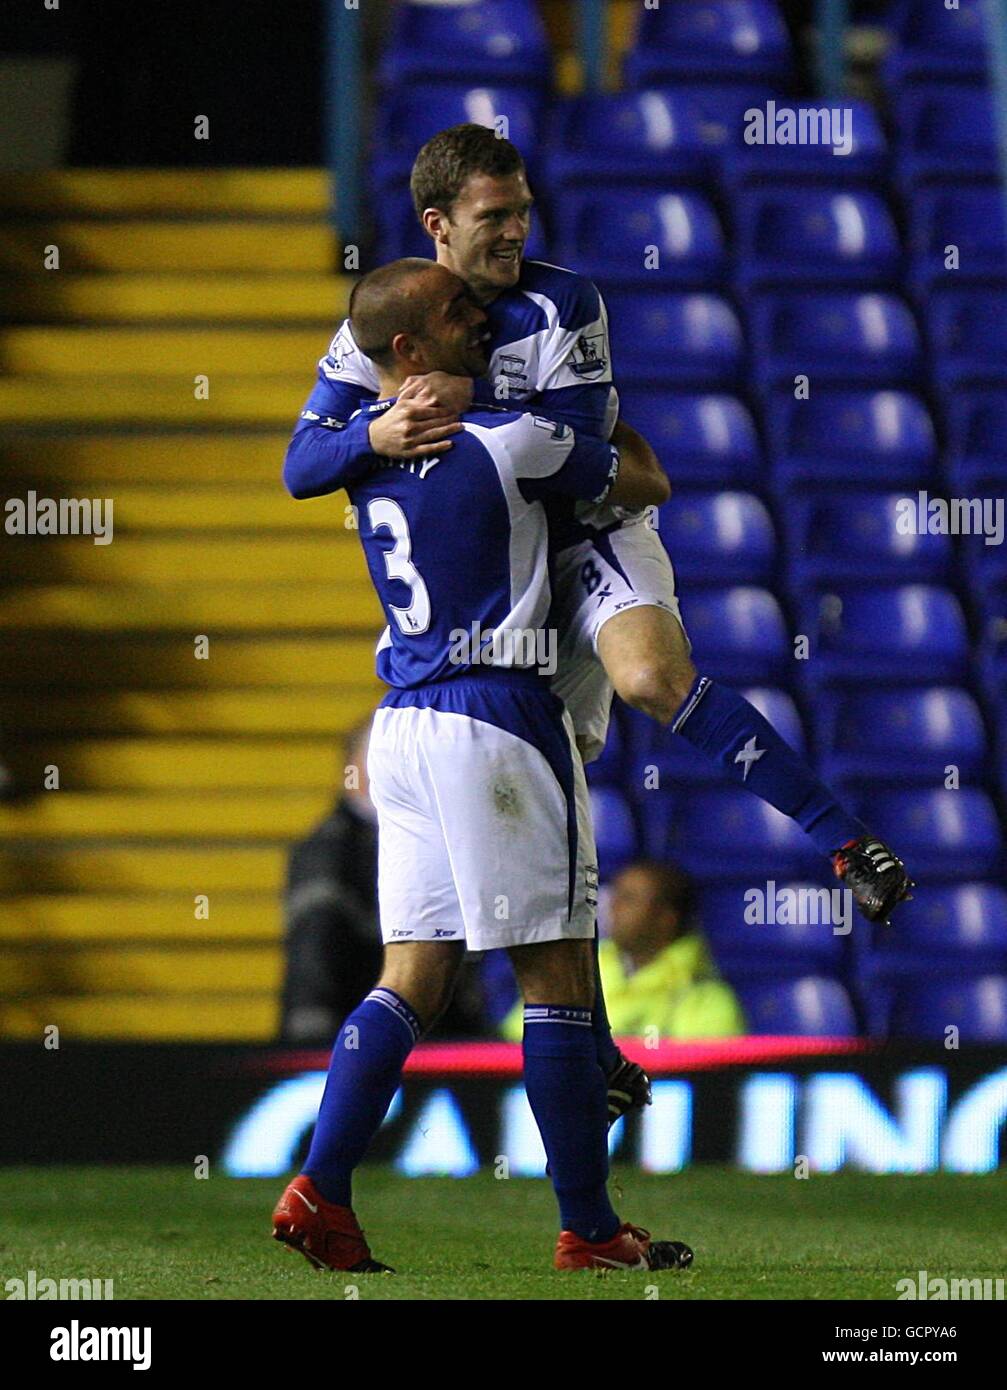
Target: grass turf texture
[(161, 1234)]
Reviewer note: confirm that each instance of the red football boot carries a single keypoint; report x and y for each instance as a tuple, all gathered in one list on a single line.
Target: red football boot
[(630, 1248), (327, 1235)]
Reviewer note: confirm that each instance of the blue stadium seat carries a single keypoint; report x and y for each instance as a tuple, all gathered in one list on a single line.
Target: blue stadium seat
[(651, 137), (976, 441), (992, 663), (946, 134), (614, 830), (809, 1007), (738, 635), (718, 538), (984, 544), (968, 336), (847, 337), (729, 834), (971, 217), (850, 439), (901, 736), (676, 339), (910, 634), (958, 929), (943, 836), (843, 537), (860, 134), (977, 1008), (748, 945), (643, 239), (932, 41), (611, 768), (491, 41), (702, 440), (710, 41), (814, 236), (409, 116)]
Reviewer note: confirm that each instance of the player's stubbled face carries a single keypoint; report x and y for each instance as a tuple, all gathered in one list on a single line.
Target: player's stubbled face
[(456, 339), (487, 231)]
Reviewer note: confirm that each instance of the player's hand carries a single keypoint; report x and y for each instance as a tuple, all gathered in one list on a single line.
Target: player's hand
[(416, 425), (452, 392)]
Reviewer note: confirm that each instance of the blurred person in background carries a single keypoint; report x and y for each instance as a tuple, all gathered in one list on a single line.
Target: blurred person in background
[(656, 968), (332, 945)]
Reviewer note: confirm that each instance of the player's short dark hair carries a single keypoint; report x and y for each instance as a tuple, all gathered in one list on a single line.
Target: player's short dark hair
[(381, 305), (446, 163)]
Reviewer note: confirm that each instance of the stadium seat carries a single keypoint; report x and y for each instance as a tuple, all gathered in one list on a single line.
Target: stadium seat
[(809, 1007), (977, 1008), (992, 662), (718, 538), (710, 41), (970, 217), (614, 830), (835, 338), (849, 439), (901, 736), (983, 542), (910, 634), (702, 440), (730, 834), (976, 457), (767, 157), (408, 117), (643, 239), (945, 134), (943, 836), (932, 41), (814, 236), (738, 635), (968, 336), (489, 41), (840, 538), (748, 942), (676, 339), (610, 768), (651, 137)]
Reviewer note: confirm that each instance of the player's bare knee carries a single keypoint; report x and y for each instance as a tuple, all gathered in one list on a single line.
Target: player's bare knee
[(657, 688), (556, 972)]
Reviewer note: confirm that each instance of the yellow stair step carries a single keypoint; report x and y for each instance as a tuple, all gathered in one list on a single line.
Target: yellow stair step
[(319, 301), (151, 245), (145, 1018), (142, 868), (174, 192), (144, 400), (179, 815), (222, 608), (148, 764), (166, 458), (87, 661), (238, 507), (225, 712), (70, 353), (176, 562), (104, 917), (99, 969)]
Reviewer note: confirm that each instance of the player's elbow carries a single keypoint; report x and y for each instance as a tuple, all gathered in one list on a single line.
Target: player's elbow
[(294, 479), (661, 486)]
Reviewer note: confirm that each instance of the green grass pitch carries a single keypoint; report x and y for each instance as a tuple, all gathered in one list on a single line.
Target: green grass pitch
[(162, 1234)]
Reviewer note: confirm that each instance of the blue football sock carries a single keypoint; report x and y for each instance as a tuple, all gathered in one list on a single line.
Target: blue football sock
[(567, 1093), (604, 1044), (364, 1074), (723, 725)]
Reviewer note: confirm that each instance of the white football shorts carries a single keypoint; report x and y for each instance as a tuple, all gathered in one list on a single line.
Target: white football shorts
[(484, 832), (594, 580)]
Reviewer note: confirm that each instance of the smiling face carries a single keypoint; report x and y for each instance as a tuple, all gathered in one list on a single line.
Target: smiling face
[(482, 236), (453, 336)]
